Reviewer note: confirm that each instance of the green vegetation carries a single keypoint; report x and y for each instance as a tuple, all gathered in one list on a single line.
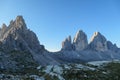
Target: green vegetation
[(110, 71)]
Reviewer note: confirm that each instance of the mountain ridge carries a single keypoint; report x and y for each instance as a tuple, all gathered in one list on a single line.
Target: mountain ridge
[(17, 38)]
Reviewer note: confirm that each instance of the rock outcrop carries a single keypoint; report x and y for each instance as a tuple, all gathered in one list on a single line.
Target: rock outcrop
[(3, 30), (112, 47), (67, 44), (98, 42), (80, 41)]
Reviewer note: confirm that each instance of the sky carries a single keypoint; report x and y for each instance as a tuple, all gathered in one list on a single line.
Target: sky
[(54, 20)]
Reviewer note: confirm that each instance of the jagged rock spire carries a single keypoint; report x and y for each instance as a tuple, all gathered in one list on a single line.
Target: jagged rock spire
[(4, 27), (112, 47), (96, 36), (3, 30), (66, 44), (98, 42), (18, 23), (80, 41)]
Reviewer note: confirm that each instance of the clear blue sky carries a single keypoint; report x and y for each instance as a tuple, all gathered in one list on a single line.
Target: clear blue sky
[(54, 20)]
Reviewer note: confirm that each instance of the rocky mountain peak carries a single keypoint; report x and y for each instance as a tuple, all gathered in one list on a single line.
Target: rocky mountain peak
[(3, 30), (98, 42), (112, 47), (69, 38), (18, 23), (19, 19), (4, 26), (17, 36), (67, 44), (80, 41), (78, 35), (97, 35)]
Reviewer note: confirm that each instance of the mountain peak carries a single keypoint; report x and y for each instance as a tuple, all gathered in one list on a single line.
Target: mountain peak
[(19, 18), (80, 32), (17, 36), (98, 42), (80, 41), (66, 44), (4, 25), (78, 35), (97, 35), (19, 22)]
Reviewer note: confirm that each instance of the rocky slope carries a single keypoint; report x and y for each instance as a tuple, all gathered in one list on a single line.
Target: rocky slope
[(98, 70)]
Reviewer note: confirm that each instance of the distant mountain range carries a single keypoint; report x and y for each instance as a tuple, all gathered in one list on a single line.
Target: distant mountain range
[(20, 48)]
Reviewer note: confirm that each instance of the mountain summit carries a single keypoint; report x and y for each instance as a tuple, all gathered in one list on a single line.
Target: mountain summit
[(80, 41), (98, 42)]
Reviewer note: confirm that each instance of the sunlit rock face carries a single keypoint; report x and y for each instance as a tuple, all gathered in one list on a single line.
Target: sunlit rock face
[(98, 42), (17, 36), (80, 41)]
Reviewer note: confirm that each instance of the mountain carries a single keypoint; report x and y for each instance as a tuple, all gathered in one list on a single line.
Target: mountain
[(98, 42), (17, 37), (21, 49), (98, 49)]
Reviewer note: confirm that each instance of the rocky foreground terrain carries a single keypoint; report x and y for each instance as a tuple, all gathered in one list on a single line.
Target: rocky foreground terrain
[(23, 57), (98, 70)]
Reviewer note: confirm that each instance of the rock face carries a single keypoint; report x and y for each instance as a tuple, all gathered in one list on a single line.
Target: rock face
[(98, 42), (80, 41), (17, 36), (3, 30), (112, 47), (67, 44)]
